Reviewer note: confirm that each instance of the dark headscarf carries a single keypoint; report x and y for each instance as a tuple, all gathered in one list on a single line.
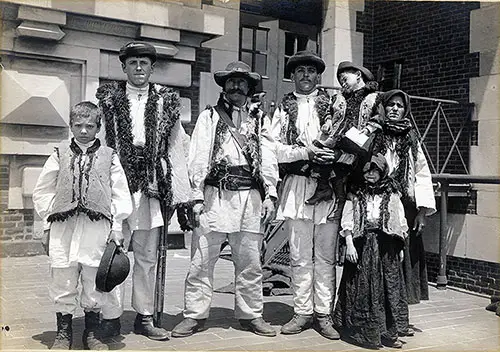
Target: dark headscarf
[(402, 126), (378, 161)]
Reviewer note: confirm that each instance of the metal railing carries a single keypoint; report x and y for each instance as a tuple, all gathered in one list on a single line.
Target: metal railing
[(444, 181)]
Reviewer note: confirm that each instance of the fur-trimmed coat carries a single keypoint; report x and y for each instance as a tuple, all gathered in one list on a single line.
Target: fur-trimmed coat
[(164, 176)]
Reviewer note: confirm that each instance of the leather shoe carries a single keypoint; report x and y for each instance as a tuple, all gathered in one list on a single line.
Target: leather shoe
[(393, 343), (188, 327), (258, 326), (143, 325), (324, 325), (297, 324)]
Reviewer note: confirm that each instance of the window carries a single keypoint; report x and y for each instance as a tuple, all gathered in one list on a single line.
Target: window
[(253, 48), (293, 43), (389, 75)]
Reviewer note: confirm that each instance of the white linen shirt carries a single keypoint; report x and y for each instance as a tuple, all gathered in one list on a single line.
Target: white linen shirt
[(297, 189), (146, 213), (79, 239), (372, 214), (224, 210)]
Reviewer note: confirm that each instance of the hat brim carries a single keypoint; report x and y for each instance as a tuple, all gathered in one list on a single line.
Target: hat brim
[(222, 76), (111, 254), (367, 75), (293, 62), (104, 266)]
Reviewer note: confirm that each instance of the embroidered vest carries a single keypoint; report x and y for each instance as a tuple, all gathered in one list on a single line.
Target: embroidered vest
[(148, 170), (391, 225), (366, 109), (83, 186)]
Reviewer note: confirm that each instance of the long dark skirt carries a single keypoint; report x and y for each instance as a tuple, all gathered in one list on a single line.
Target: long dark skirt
[(371, 300), (414, 265)]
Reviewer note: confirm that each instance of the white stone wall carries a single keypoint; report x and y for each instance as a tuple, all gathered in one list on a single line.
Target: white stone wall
[(478, 236), (339, 39)]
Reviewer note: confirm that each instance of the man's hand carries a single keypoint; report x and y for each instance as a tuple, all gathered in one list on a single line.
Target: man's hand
[(325, 157), (116, 237), (46, 240), (420, 220), (268, 211), (197, 211)]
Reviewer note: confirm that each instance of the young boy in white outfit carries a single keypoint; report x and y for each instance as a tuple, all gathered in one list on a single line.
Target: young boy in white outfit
[(82, 195)]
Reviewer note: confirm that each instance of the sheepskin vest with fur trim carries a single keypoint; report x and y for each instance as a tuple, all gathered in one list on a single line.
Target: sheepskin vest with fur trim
[(83, 186)]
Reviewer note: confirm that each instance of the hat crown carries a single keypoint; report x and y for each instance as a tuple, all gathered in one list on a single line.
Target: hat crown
[(238, 66)]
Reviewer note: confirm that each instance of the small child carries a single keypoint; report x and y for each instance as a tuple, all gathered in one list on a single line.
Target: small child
[(371, 302), (82, 195)]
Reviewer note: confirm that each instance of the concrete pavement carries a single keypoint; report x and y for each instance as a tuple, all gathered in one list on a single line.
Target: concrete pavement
[(450, 321)]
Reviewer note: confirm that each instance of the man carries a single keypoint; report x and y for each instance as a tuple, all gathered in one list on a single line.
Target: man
[(313, 236), (233, 172), (142, 123)]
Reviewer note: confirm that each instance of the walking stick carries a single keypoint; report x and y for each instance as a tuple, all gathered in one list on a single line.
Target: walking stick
[(161, 266)]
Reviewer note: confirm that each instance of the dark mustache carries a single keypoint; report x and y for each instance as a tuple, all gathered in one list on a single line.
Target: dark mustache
[(235, 90)]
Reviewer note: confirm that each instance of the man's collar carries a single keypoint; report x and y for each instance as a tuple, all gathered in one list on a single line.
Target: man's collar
[(312, 94)]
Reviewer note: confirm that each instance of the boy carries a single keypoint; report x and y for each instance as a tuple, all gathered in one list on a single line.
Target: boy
[(83, 197), (357, 106)]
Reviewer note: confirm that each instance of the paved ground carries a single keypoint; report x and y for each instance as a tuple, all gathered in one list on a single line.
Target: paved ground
[(449, 321)]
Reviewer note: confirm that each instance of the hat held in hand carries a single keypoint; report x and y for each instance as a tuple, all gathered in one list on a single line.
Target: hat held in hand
[(113, 268)]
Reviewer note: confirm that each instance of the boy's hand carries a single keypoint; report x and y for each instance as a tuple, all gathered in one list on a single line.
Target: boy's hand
[(46, 240), (117, 237)]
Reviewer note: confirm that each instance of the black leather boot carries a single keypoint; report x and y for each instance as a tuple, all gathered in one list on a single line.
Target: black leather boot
[(110, 328), (64, 336), (143, 325), (91, 339)]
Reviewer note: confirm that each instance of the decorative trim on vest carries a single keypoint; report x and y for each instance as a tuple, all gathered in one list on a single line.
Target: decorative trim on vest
[(358, 107), (218, 165), (77, 177), (158, 126), (405, 145), (290, 107), (388, 221)]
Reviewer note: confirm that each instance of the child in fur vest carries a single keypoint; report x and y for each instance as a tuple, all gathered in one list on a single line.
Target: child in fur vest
[(82, 195), (371, 302), (357, 105)]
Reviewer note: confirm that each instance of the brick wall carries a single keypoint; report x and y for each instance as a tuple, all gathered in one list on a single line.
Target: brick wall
[(16, 225), (431, 42), (203, 63), (470, 274)]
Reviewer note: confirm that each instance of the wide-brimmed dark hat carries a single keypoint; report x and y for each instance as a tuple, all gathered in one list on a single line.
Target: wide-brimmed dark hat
[(305, 58), (113, 268), (237, 69), (348, 65), (137, 49)]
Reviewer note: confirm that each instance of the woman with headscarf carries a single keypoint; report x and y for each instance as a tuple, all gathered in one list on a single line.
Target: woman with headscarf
[(399, 143), (371, 291)]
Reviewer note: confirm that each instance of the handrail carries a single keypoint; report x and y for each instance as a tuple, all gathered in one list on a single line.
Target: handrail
[(437, 100), (462, 178), (444, 181)]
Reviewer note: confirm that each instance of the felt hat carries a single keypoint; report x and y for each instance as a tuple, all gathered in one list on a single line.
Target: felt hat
[(348, 65), (237, 69), (305, 58), (113, 268), (137, 49)]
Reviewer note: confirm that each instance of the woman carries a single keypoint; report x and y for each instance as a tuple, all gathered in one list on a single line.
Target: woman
[(399, 143)]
